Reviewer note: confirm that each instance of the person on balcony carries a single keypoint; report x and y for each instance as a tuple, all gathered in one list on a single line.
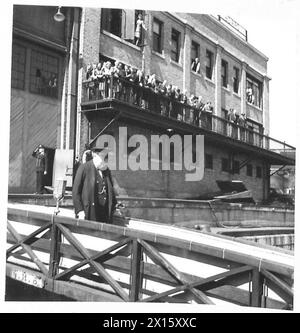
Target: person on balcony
[(133, 78), (232, 118), (93, 191), (142, 96), (208, 107), (90, 76), (199, 107), (106, 72), (162, 91), (191, 102), (118, 72), (97, 77), (179, 109), (185, 109), (89, 72)]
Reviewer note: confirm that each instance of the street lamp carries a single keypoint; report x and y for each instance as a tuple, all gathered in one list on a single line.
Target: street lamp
[(59, 16)]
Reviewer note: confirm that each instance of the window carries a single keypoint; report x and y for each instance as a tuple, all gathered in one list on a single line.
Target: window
[(18, 67), (258, 172), (157, 35), (254, 91), (208, 161), (236, 167), (225, 164), (249, 170), (236, 80), (44, 74), (209, 64), (111, 20), (224, 73), (195, 57), (175, 45)]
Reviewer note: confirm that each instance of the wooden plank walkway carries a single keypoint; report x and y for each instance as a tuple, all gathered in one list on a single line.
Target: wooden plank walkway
[(129, 261)]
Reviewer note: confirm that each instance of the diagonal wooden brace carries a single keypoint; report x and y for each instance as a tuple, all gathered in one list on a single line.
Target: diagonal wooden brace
[(27, 249), (167, 266), (98, 268)]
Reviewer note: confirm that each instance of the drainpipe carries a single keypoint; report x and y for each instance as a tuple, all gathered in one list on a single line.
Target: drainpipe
[(74, 50)]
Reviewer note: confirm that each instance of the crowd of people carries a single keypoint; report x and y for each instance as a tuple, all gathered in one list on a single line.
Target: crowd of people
[(174, 102), (100, 75)]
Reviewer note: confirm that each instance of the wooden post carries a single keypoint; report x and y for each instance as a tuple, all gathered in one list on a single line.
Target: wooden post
[(54, 250), (257, 288), (136, 274)]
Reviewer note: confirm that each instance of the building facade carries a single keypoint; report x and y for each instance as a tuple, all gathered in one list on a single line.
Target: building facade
[(229, 65), (229, 68), (43, 89)]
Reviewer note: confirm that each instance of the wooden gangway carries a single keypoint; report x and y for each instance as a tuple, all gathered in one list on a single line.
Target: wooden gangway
[(143, 262)]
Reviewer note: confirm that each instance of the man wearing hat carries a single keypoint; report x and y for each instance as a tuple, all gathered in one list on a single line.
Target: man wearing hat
[(93, 193), (41, 166)]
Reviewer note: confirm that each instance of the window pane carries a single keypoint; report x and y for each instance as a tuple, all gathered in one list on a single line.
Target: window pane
[(195, 50), (254, 91), (208, 161), (175, 45), (18, 66), (43, 75), (224, 73), (157, 41), (236, 80), (209, 56), (156, 27)]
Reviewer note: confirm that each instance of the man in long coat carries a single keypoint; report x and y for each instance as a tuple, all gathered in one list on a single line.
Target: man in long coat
[(93, 192), (41, 167)]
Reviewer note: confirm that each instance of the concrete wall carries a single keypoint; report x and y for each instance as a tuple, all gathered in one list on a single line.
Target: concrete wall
[(199, 212), (186, 212)]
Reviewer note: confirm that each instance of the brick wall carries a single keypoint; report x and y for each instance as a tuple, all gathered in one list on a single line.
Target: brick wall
[(172, 183)]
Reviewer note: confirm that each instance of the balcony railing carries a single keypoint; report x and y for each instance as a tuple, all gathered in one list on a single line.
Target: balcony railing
[(111, 87)]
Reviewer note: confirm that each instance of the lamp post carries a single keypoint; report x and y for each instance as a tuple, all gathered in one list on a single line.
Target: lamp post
[(59, 16)]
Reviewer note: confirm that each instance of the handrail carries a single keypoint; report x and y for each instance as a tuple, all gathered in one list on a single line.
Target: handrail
[(132, 93), (242, 265), (98, 229)]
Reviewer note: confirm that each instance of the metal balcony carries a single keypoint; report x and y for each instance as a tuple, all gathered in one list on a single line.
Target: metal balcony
[(166, 110)]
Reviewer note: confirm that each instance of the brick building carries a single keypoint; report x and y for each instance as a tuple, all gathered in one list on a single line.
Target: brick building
[(229, 66)]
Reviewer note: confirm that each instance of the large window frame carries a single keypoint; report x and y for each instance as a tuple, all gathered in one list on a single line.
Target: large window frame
[(44, 73), (209, 161), (236, 80), (18, 66), (256, 86), (175, 45), (195, 53), (225, 167), (157, 38), (224, 73), (209, 64), (249, 170), (111, 21)]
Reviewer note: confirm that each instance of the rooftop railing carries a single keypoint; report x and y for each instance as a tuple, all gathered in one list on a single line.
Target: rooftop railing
[(111, 87)]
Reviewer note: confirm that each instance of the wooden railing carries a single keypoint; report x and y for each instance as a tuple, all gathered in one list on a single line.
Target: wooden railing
[(128, 258), (123, 90)]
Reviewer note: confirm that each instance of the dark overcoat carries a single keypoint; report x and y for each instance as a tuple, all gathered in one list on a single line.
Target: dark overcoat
[(85, 193)]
